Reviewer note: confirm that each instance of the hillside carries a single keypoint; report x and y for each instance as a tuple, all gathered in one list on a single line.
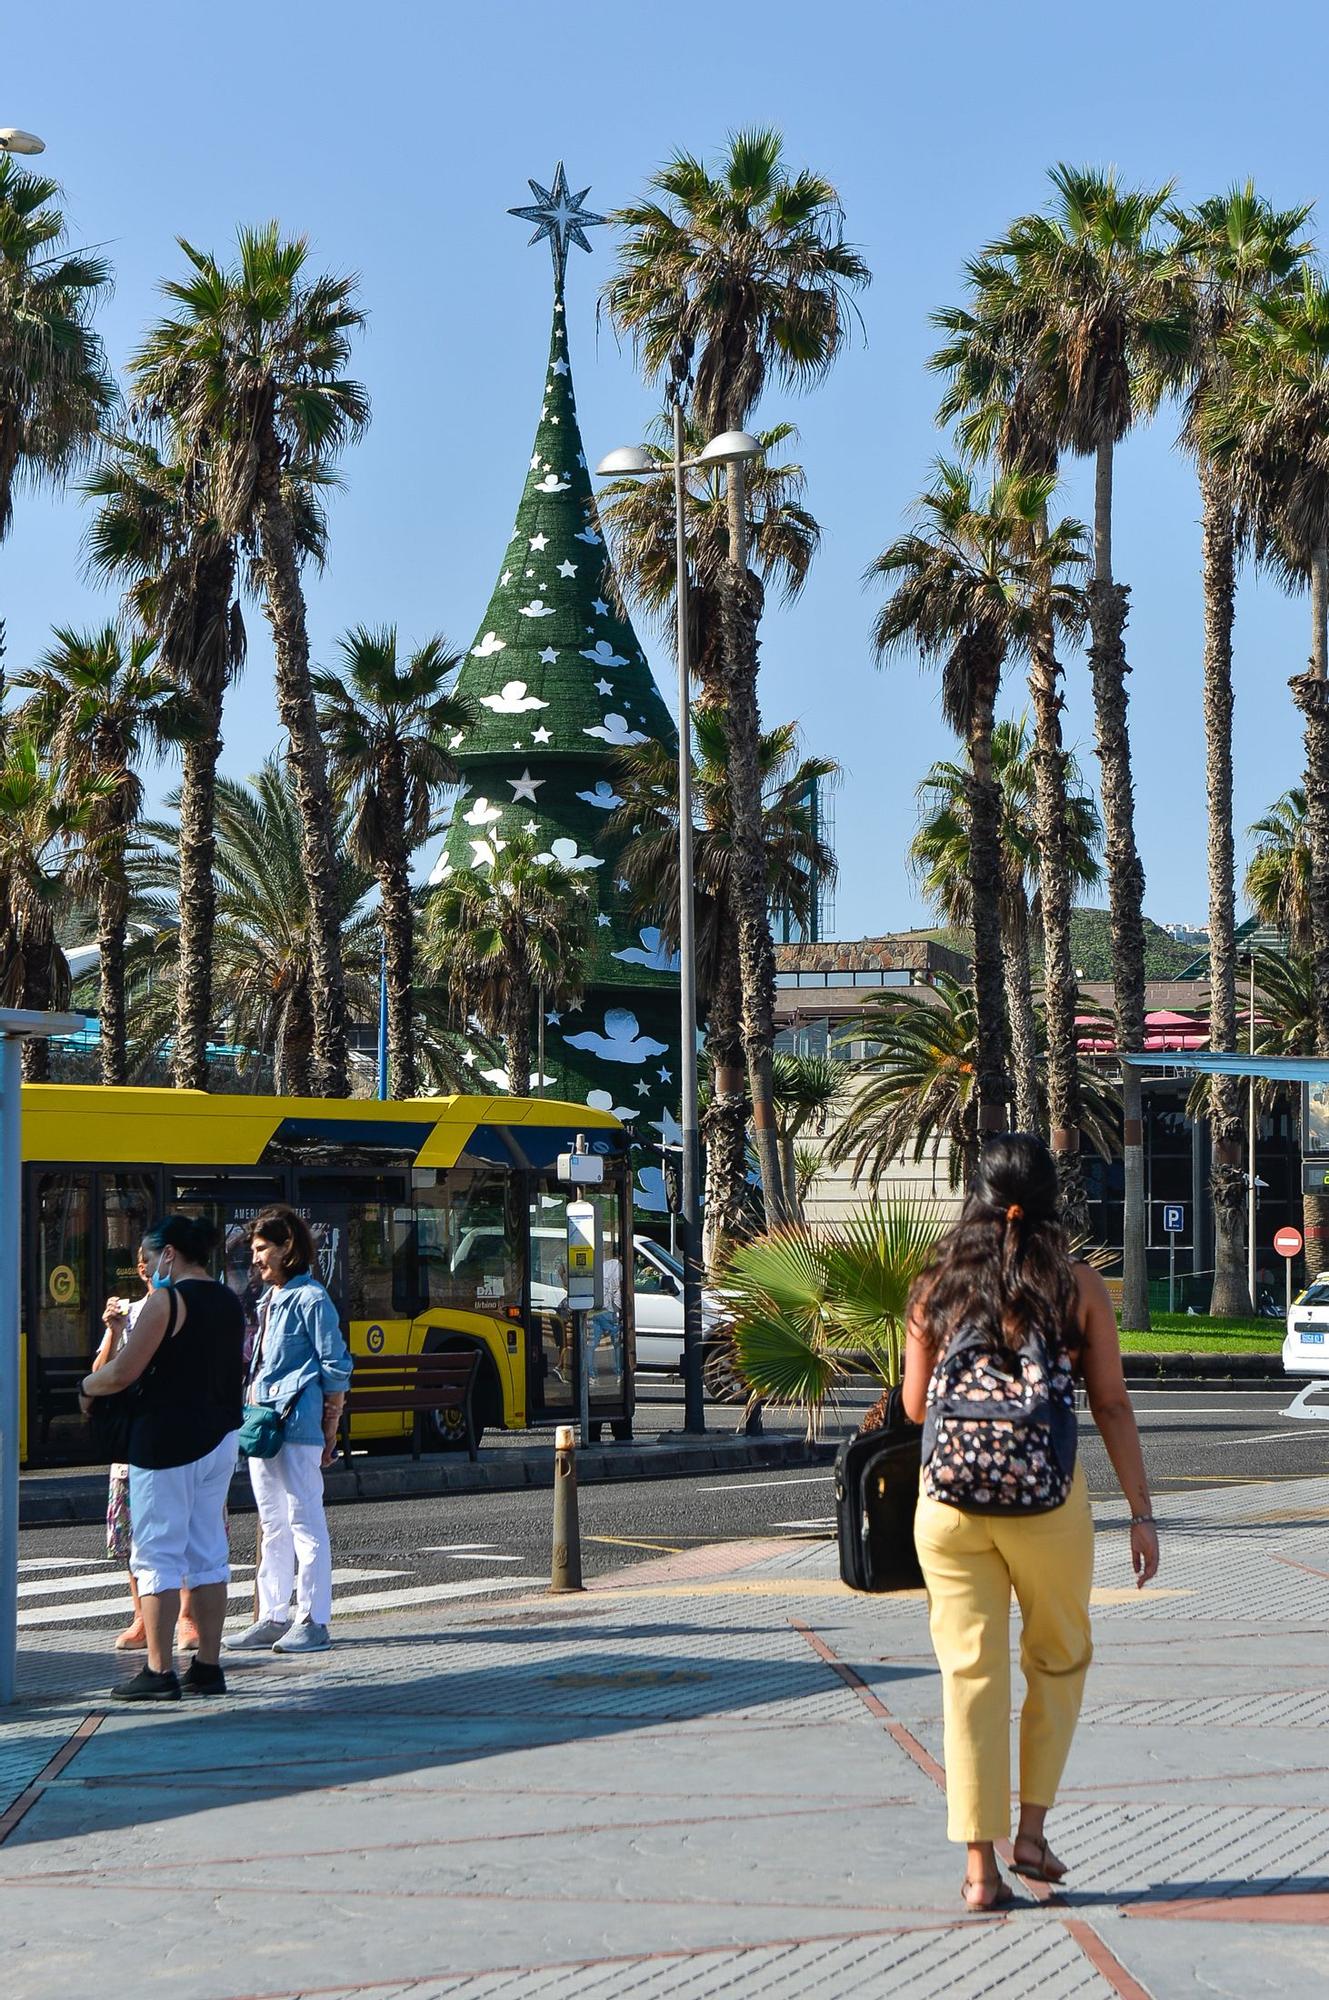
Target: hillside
[(1091, 947)]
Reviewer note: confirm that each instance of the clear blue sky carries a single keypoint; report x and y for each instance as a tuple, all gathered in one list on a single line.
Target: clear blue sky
[(397, 135)]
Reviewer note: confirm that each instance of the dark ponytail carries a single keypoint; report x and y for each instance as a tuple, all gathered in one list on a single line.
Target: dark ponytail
[(1003, 1268), (194, 1236)]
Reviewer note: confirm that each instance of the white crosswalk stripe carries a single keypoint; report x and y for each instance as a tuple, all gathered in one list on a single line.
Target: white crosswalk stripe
[(116, 1603)]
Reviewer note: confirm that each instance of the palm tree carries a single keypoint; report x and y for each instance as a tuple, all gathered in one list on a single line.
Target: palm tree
[(806, 1308), (1237, 251), (263, 1006), (385, 722), (795, 859), (99, 709), (918, 1095), (250, 374), (43, 824), (1000, 395), (807, 1090), (783, 538), (966, 586), (745, 271), (1278, 875), (156, 533), (1097, 305), (939, 852), (55, 387), (497, 936)]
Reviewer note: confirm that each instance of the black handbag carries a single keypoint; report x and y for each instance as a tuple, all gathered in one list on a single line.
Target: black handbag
[(876, 1487)]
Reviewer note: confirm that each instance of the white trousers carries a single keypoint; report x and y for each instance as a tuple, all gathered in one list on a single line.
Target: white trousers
[(178, 1517), (297, 1554)]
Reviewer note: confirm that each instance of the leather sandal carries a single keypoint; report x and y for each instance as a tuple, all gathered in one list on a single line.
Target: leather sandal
[(1036, 1871), (999, 1899)]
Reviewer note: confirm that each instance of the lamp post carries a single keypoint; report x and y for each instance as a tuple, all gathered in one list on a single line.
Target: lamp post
[(1251, 1183), (731, 449), (12, 140)]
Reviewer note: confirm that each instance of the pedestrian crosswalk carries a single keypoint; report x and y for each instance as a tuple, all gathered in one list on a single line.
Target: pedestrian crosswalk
[(77, 1591)]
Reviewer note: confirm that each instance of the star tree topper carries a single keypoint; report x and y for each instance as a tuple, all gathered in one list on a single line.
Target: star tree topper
[(559, 215)]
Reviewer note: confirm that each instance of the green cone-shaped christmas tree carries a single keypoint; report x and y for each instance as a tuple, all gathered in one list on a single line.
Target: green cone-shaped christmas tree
[(562, 685)]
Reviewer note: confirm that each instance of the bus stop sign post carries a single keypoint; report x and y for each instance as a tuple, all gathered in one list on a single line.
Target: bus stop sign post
[(1287, 1242), (17, 1025), (585, 1294), (1174, 1221)]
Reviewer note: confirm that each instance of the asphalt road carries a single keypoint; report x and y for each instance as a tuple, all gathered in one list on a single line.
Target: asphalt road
[(392, 1554)]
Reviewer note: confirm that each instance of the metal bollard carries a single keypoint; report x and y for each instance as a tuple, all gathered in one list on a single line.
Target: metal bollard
[(566, 1570)]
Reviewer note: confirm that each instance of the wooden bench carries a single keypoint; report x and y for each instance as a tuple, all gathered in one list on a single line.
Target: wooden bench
[(412, 1385)]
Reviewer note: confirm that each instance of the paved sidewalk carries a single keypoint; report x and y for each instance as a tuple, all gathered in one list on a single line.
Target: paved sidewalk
[(712, 1775)]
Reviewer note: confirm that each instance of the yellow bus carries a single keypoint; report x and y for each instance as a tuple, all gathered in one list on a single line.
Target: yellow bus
[(440, 1223)]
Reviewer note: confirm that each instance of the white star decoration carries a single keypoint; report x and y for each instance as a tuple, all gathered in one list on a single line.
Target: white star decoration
[(567, 569), (558, 214), (604, 687), (666, 1076), (539, 541), (602, 921), (560, 367), (553, 1019), (548, 655), (540, 736), (599, 606), (525, 787), (643, 1088)]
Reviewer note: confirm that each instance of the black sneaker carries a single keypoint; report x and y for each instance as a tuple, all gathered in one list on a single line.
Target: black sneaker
[(147, 1686), (202, 1679)]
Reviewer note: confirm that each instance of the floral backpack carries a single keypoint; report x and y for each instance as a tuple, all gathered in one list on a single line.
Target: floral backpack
[(999, 1435)]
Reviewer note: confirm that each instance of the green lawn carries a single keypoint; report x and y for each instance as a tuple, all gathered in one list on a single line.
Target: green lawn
[(1178, 1333)]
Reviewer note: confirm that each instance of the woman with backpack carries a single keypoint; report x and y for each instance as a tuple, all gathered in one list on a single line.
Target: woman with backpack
[(999, 1327)]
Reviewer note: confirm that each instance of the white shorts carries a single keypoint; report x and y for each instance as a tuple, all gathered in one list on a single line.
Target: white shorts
[(178, 1516)]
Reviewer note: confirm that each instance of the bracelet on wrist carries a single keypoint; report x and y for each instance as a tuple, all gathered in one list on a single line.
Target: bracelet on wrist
[(1143, 1521)]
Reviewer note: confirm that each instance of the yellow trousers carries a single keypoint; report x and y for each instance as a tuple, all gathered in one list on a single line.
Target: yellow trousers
[(971, 1563)]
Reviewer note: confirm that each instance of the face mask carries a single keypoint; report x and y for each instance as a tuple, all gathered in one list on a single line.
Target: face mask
[(160, 1280)]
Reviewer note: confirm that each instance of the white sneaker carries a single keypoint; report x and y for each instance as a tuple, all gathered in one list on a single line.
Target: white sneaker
[(305, 1636), (259, 1638)]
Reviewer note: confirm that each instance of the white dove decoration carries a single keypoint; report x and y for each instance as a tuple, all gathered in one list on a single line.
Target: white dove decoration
[(649, 1192), (491, 643), (482, 813), (537, 608), (614, 730), (602, 654), (602, 1100), (440, 871), (589, 536), (564, 852), (604, 796), (652, 952), (621, 1042), (551, 483), (513, 700)]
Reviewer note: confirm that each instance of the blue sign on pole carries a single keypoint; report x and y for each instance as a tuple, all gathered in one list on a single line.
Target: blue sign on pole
[(1174, 1218)]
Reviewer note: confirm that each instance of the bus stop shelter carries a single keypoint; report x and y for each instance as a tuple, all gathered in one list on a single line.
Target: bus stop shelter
[(16, 1027)]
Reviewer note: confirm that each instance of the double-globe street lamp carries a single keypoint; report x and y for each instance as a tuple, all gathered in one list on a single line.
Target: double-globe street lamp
[(733, 450)]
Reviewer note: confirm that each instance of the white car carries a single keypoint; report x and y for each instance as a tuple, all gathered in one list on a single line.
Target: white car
[(658, 1308), (1306, 1348)]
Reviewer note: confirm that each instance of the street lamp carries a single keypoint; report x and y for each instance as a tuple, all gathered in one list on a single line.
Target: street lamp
[(12, 140), (731, 449)]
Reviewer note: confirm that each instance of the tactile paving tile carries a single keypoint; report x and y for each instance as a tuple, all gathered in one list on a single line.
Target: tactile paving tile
[(1165, 1850), (1293, 1709), (970, 1962)]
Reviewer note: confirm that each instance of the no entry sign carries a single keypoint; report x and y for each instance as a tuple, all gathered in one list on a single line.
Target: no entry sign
[(1287, 1242)]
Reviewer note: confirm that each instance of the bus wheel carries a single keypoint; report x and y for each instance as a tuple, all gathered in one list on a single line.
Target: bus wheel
[(444, 1430), (719, 1373)]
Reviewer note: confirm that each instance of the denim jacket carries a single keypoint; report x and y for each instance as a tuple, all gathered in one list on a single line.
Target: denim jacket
[(302, 1357)]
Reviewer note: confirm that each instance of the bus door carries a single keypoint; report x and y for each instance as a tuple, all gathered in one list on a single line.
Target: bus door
[(84, 1230), (550, 1335)]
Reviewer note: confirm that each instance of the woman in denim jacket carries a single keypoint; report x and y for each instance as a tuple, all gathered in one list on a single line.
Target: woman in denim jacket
[(301, 1367)]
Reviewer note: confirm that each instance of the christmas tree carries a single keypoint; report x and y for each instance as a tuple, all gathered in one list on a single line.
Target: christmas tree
[(561, 686)]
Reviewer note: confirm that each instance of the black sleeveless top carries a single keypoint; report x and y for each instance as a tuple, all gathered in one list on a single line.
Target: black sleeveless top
[(191, 1395)]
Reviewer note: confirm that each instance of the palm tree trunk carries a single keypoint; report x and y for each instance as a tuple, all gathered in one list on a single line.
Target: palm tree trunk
[(517, 1035), (292, 1069), (756, 953), (285, 606), (1230, 1297), (37, 997), (726, 1123), (1020, 1008), (1060, 987), (1108, 670), (1310, 691), (394, 888), (985, 905), (112, 922)]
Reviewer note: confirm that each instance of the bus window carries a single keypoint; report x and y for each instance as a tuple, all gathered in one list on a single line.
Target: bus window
[(382, 1282), (471, 1234), (128, 1209)]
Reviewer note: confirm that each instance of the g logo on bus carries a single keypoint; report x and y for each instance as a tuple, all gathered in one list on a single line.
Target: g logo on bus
[(63, 1285), (374, 1340)]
